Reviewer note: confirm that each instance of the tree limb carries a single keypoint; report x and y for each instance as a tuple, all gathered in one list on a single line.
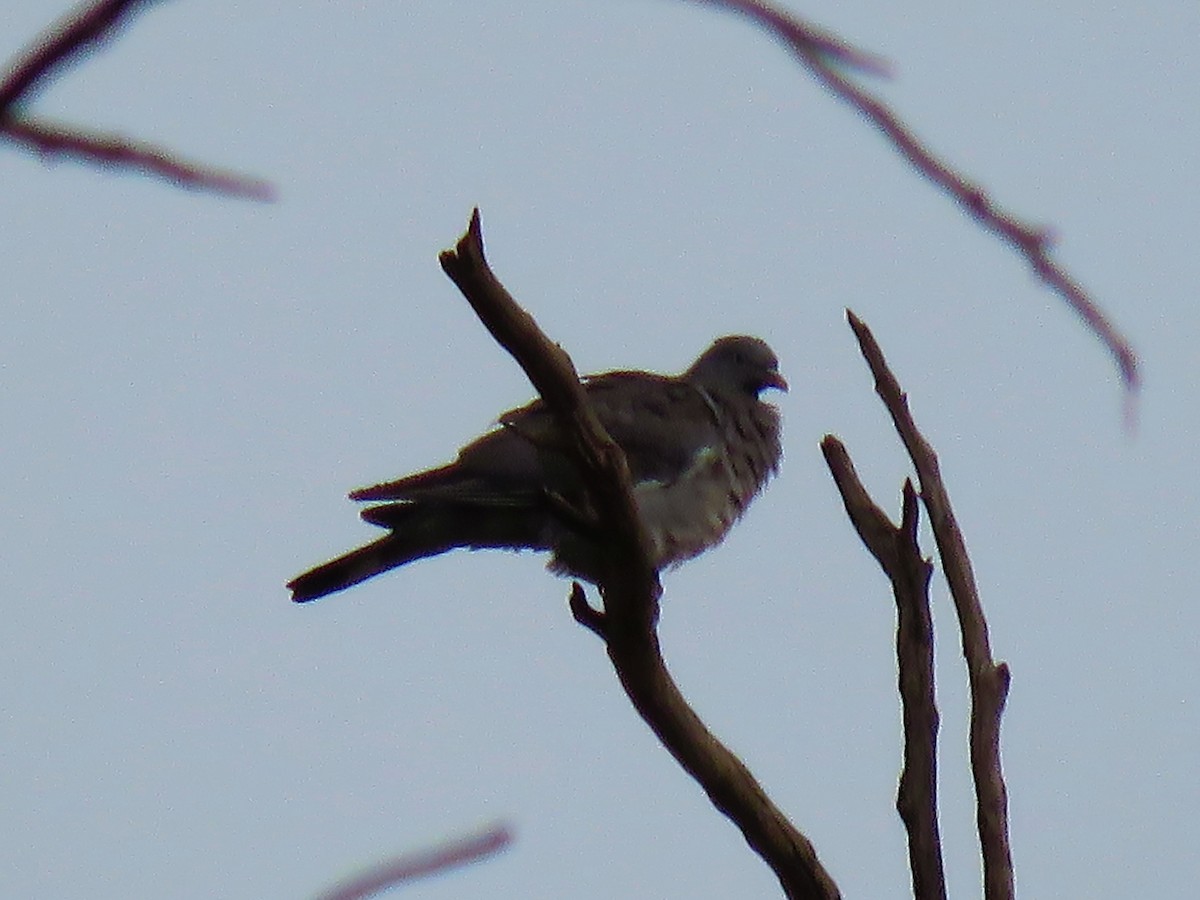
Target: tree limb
[(66, 43), (897, 552), (989, 681), (825, 55), (629, 585)]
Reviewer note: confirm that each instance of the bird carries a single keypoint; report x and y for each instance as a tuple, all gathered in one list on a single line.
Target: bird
[(699, 445)]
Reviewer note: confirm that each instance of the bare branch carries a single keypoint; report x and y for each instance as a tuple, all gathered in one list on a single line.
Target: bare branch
[(989, 680), (553, 375), (117, 152), (66, 43), (823, 54), (62, 44), (630, 587), (804, 38), (898, 554), (449, 855), (584, 613)]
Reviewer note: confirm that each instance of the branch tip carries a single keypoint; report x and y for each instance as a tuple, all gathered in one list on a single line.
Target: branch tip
[(66, 43), (586, 614)]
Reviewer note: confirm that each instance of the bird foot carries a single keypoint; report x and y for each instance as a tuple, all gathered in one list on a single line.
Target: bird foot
[(583, 520)]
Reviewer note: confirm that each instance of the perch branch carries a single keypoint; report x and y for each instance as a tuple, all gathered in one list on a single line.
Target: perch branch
[(825, 56), (629, 586), (66, 43), (896, 550), (989, 681)]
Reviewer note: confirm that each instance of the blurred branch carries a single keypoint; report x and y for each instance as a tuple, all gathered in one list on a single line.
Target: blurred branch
[(410, 866), (989, 681), (823, 54), (804, 38), (63, 44), (629, 586), (896, 550), (114, 150), (66, 43)]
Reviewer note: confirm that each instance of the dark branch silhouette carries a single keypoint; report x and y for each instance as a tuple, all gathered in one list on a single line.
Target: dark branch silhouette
[(988, 679), (117, 151), (410, 866), (823, 54), (65, 44), (630, 587), (896, 549)]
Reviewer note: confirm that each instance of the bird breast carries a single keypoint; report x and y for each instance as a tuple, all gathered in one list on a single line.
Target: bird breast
[(696, 510)]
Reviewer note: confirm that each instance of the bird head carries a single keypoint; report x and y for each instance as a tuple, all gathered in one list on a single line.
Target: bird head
[(737, 363)]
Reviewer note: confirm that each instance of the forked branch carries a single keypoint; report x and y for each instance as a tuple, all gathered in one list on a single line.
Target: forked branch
[(988, 679), (50, 54), (896, 549)]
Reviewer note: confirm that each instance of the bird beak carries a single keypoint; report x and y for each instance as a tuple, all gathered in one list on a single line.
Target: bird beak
[(775, 380)]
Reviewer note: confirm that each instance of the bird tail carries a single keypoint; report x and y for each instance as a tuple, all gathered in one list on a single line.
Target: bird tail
[(412, 487), (420, 530), (358, 565)]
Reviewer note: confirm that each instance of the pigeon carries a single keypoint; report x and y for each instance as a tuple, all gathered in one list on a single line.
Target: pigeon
[(700, 446)]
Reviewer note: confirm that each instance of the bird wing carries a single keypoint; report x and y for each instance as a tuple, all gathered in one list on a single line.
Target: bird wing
[(660, 423)]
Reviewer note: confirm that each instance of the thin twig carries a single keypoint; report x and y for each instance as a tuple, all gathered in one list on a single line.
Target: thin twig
[(805, 38), (629, 585), (63, 44), (896, 549), (50, 54), (584, 613), (450, 855), (989, 681), (825, 56), (118, 152)]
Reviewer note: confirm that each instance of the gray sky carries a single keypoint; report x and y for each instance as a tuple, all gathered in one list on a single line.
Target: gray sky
[(190, 385)]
